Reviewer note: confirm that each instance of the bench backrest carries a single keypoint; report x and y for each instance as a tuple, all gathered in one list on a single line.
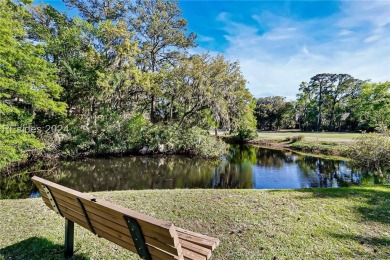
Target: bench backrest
[(112, 222)]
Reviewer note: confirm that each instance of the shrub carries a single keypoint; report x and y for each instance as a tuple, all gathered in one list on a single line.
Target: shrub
[(197, 141), (243, 135), (173, 139), (294, 139), (106, 134), (117, 135), (371, 153)]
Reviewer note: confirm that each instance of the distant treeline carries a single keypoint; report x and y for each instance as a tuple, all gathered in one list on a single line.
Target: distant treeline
[(329, 102)]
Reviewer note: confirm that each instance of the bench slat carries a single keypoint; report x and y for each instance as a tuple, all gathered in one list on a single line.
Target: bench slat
[(185, 231), (188, 254), (199, 241), (196, 248)]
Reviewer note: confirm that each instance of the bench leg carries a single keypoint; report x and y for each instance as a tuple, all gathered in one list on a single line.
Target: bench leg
[(69, 237)]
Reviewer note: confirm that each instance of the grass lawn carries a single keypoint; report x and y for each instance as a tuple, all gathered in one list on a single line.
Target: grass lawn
[(251, 224), (342, 138), (334, 144)]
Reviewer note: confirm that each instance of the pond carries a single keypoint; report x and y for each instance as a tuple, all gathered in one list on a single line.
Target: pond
[(247, 167)]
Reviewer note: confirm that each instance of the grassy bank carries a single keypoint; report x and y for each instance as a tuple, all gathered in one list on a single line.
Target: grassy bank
[(316, 143), (252, 224)]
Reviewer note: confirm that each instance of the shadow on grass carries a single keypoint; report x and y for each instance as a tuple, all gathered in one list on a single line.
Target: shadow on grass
[(376, 201), (35, 248), (363, 240), (379, 246)]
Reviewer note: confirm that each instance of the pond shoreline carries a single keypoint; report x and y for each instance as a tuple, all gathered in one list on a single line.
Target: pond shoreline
[(57, 157), (333, 144), (244, 167), (309, 148), (278, 147)]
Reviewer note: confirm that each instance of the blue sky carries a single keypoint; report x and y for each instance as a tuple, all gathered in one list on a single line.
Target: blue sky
[(282, 43)]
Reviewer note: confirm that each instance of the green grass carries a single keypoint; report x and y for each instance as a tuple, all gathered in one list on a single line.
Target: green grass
[(334, 144), (251, 224), (342, 138)]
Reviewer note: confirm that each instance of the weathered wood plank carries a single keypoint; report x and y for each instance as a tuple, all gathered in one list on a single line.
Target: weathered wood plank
[(196, 248), (196, 240), (199, 239), (192, 255), (182, 230)]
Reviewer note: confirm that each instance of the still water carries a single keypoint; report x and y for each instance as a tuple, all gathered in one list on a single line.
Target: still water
[(247, 167)]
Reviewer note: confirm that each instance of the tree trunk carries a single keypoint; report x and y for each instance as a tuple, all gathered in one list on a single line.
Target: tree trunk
[(152, 108), (152, 98), (332, 119), (171, 109), (319, 110)]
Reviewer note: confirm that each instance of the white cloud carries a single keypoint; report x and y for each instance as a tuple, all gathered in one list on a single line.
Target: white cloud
[(280, 53), (203, 38), (345, 32)]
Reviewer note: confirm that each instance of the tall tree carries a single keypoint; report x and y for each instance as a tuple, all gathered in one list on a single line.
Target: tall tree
[(211, 91), (96, 11), (343, 87), (270, 111), (67, 47), (161, 31), (326, 97), (371, 108), (320, 84), (27, 84)]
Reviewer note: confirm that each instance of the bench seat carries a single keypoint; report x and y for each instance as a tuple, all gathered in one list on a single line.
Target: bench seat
[(150, 237)]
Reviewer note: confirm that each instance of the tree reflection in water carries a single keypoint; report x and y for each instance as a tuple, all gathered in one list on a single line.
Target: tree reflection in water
[(244, 167)]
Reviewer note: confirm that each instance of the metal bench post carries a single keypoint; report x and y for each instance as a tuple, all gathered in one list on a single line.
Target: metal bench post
[(138, 238), (69, 237)]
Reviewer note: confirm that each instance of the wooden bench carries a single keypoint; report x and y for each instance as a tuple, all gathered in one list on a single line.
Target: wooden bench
[(150, 237)]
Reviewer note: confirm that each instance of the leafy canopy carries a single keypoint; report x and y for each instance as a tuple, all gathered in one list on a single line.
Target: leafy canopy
[(27, 84)]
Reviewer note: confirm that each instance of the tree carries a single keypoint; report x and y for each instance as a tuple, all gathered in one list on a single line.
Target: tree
[(27, 85), (371, 108), (323, 103), (320, 85), (343, 87), (211, 91), (270, 111), (95, 11), (161, 32), (69, 51)]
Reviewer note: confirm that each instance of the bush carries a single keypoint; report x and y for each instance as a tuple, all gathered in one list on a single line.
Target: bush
[(294, 139), (371, 153), (117, 135), (243, 135), (172, 139), (297, 138)]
